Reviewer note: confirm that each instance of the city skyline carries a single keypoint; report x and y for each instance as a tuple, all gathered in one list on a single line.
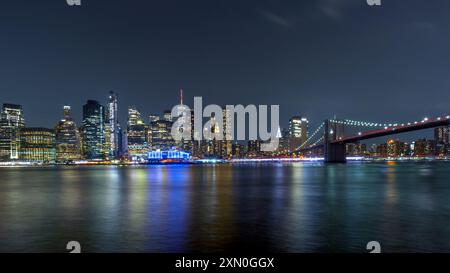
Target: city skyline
[(95, 139)]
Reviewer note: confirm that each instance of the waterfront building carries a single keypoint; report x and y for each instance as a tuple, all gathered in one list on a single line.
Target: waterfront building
[(298, 132), (107, 143), (37, 145), (114, 127), (68, 141), (94, 116), (137, 135), (11, 121), (227, 142), (161, 135)]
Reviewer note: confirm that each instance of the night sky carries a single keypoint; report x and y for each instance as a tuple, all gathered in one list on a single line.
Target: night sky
[(316, 58)]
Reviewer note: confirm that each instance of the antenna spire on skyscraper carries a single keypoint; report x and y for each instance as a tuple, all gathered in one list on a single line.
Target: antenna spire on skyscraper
[(181, 96)]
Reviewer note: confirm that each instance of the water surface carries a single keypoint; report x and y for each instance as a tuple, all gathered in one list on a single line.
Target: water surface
[(299, 207)]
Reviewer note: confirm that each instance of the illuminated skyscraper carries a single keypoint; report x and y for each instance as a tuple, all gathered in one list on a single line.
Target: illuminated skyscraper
[(11, 121), (136, 135), (226, 145), (442, 135), (184, 116), (134, 116), (68, 142), (298, 132), (94, 130), (114, 126), (161, 135)]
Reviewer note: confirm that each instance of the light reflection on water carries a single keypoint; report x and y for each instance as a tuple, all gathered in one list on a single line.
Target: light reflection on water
[(301, 207)]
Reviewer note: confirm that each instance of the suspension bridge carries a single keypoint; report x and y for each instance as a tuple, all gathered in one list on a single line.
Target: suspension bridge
[(329, 138)]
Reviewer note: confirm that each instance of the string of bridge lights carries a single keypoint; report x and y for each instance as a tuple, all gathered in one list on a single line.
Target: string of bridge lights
[(317, 141), (379, 124), (312, 136), (358, 123)]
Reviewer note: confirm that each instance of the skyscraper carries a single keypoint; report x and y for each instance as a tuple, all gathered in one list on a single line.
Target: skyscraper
[(161, 135), (11, 121), (227, 142), (68, 146), (442, 135), (186, 144), (298, 132), (136, 135), (114, 126), (93, 130)]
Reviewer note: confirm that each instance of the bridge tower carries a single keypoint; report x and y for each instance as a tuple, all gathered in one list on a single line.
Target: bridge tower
[(334, 152)]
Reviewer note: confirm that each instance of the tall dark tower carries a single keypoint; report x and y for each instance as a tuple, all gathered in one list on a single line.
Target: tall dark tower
[(93, 130)]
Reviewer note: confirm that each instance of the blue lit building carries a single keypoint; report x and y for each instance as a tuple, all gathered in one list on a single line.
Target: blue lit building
[(168, 155)]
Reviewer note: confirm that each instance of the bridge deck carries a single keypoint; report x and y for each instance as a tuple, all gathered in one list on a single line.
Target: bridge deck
[(426, 124)]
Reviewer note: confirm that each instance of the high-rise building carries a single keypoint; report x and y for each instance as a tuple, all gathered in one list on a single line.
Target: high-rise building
[(185, 144), (134, 116), (161, 135), (68, 142), (11, 121), (14, 114), (298, 132), (137, 135), (94, 116), (442, 135), (37, 145), (114, 126), (227, 142), (212, 147), (107, 132)]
